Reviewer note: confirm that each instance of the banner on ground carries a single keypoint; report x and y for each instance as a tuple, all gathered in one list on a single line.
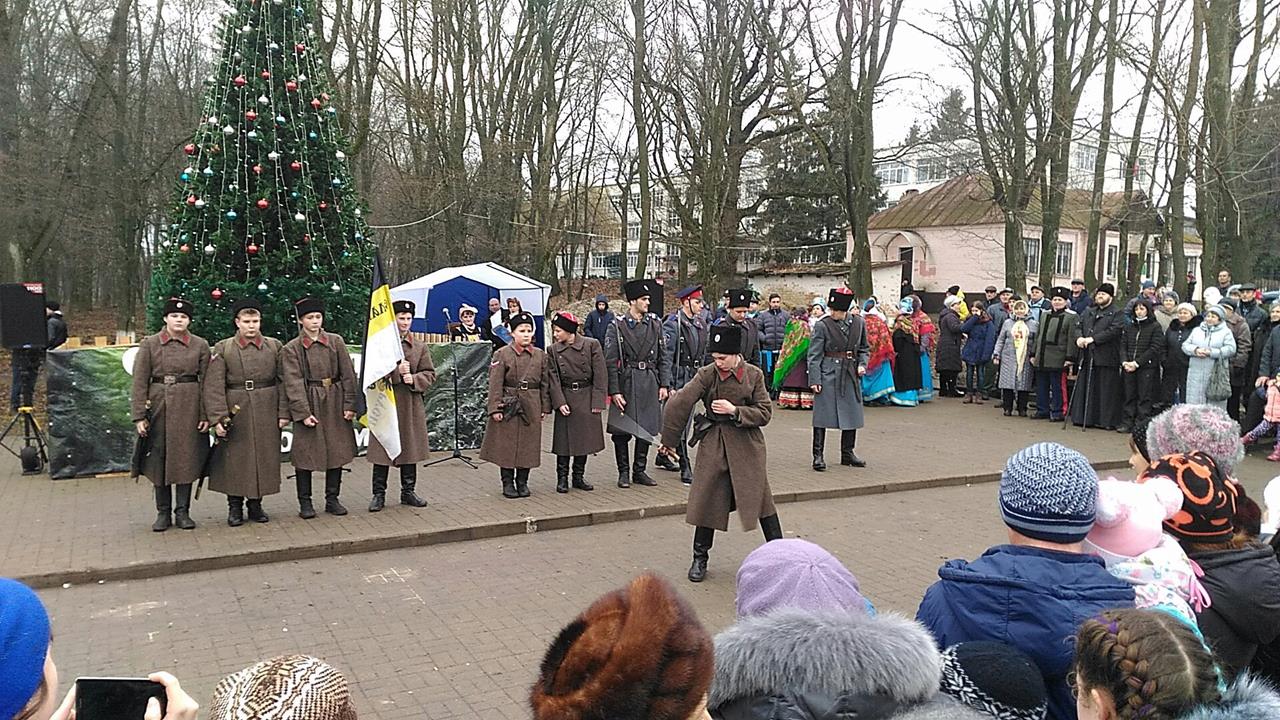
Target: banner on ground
[(90, 430)]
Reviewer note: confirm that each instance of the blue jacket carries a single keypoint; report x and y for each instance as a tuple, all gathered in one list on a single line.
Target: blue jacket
[(598, 322), (1029, 598), (982, 340)]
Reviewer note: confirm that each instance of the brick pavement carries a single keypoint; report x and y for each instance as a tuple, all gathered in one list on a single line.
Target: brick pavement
[(458, 630), (99, 528)]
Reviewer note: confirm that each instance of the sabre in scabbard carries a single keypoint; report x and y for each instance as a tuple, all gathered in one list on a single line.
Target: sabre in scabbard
[(226, 423), (141, 446)]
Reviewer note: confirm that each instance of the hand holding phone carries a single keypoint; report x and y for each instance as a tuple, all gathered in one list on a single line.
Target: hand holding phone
[(158, 696)]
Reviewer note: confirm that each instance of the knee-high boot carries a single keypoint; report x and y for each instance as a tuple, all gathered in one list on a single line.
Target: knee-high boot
[(638, 475), (332, 487), (164, 508), (522, 482), (562, 473), (235, 510), (849, 438), (182, 507), (621, 456), (580, 473), (508, 483), (379, 499), (771, 527), (409, 486), (703, 538), (819, 448), (306, 510)]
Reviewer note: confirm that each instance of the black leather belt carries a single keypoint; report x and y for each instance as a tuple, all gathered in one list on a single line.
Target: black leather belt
[(252, 384), (174, 379), (641, 366), (577, 385), (323, 382), (843, 354), (524, 385)]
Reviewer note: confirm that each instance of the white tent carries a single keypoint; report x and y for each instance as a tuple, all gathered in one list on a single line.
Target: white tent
[(448, 288)]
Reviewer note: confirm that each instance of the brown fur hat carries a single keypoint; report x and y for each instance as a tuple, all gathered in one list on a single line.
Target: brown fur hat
[(638, 653)]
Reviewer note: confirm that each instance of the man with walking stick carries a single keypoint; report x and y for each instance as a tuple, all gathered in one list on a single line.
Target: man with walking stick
[(1099, 343), (1055, 347)]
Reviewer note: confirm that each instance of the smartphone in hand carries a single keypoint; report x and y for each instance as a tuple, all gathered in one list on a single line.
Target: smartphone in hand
[(104, 698)]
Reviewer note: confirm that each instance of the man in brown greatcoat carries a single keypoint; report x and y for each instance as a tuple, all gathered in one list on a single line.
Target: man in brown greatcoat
[(166, 410), (519, 398), (730, 473), (409, 381), (579, 385), (320, 387), (245, 404)]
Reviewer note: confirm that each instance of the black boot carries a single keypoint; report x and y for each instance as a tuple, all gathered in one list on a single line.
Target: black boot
[(665, 463), (580, 474), (624, 463), (562, 473), (703, 537), (305, 510), (332, 487), (508, 483), (164, 508), (771, 527), (522, 482), (819, 447), (235, 510), (256, 513), (638, 475), (379, 499), (686, 472), (849, 438), (408, 487), (182, 508)]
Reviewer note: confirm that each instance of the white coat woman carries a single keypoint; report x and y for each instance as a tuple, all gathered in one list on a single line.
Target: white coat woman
[(1209, 342)]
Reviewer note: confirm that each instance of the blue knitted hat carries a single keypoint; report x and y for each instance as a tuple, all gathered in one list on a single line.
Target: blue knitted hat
[(1049, 492), (24, 643)]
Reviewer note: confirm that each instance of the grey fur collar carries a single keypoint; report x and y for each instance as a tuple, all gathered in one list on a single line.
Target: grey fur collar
[(831, 653), (1247, 699)]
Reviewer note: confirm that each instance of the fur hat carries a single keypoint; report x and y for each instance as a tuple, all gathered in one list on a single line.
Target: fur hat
[(1130, 516), (177, 305), (1060, 292), (840, 298), (1107, 288), (638, 653), (635, 289), (246, 303), (998, 680), (795, 573), (404, 306), (739, 298), (297, 687), (1208, 507), (566, 321), (24, 643), (1188, 428), (308, 305), (725, 339), (521, 318), (1049, 492)]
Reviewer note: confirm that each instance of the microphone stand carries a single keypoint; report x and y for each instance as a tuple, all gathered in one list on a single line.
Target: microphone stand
[(457, 448)]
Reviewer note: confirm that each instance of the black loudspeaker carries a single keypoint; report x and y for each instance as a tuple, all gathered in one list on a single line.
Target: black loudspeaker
[(22, 318)]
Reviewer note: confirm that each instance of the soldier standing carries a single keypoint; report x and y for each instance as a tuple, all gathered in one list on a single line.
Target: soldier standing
[(519, 398), (685, 335), (579, 386), (409, 381), (732, 459), (639, 379), (166, 410), (320, 387), (838, 354), (245, 405), (739, 303)]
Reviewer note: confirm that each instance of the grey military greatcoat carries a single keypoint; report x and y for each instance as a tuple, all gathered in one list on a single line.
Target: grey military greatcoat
[(633, 352), (837, 349)]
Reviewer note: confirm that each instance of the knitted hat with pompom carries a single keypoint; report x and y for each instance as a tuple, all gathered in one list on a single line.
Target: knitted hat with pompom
[(1197, 428)]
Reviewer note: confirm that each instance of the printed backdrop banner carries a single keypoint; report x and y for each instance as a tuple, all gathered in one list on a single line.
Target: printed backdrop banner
[(90, 430)]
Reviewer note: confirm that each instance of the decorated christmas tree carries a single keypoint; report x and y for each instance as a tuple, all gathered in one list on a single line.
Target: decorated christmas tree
[(265, 206)]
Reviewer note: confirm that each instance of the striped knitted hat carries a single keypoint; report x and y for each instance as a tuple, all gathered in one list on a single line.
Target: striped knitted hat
[(1049, 492), (296, 687)]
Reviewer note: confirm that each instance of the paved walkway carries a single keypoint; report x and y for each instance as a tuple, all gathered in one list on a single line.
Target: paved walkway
[(79, 531)]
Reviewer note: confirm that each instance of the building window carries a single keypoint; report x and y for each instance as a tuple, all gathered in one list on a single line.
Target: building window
[(893, 173), (604, 261), (1063, 263), (932, 168), (1113, 258), (1150, 268), (1084, 156), (1141, 173), (1032, 249), (633, 232)]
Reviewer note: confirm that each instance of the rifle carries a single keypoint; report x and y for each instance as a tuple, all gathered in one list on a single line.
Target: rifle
[(141, 447), (217, 443)]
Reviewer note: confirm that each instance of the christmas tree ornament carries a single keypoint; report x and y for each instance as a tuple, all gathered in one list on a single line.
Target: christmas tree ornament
[(231, 214), (335, 287), (274, 47), (266, 75), (264, 100), (300, 48), (336, 182), (315, 103), (209, 250), (298, 11), (324, 97), (214, 121), (262, 286), (340, 155), (332, 111), (295, 166), (199, 203), (299, 217), (189, 148), (216, 294), (312, 136), (357, 212), (273, 156), (257, 169), (294, 195), (207, 172), (185, 177), (280, 120), (233, 187), (238, 56), (252, 249), (359, 237), (324, 205), (192, 199), (246, 29), (239, 81), (251, 116), (306, 238), (291, 86), (302, 78), (184, 248), (228, 130), (263, 204), (252, 134)]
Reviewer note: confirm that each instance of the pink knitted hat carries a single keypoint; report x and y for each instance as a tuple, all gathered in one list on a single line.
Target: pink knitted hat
[(1130, 515), (1197, 428)]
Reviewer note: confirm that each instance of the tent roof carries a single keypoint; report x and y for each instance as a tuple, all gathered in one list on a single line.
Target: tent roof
[(491, 274)]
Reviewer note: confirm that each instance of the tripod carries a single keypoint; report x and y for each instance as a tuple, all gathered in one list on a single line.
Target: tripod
[(33, 458), (457, 448)]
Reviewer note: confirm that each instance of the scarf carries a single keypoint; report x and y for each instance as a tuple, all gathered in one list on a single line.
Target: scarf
[(1020, 334), (880, 340), (907, 324)]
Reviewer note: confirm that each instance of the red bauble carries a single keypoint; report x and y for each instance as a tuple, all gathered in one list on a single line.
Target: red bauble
[(266, 75), (306, 239), (299, 48), (295, 166), (185, 248), (324, 97), (252, 249), (189, 149), (191, 199), (251, 116), (257, 169), (216, 294), (263, 204), (240, 81), (324, 205), (291, 86), (315, 103)]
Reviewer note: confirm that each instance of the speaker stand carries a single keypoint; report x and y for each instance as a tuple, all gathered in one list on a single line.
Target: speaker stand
[(35, 458)]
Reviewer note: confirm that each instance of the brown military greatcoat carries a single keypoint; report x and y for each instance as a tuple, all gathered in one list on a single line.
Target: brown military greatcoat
[(246, 374), (410, 410), (320, 380), (730, 469), (579, 379), (517, 442), (166, 373)]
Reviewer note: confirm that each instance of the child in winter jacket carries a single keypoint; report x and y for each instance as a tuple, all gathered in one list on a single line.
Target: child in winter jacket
[(1128, 536), (1270, 419)]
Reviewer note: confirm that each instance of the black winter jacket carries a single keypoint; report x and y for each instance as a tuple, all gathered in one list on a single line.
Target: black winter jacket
[(1244, 590), (1268, 357), (1105, 326), (1144, 343), (1173, 338)]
